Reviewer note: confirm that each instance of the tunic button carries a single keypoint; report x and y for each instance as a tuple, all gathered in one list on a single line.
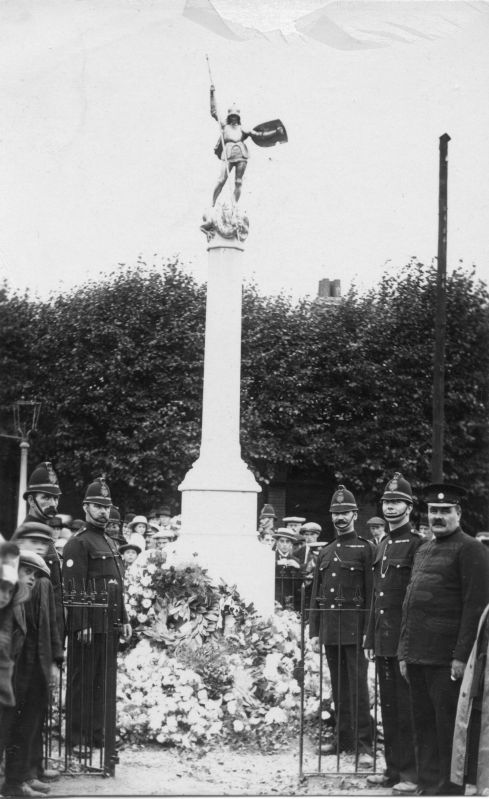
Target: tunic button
[(384, 558), (382, 611), (332, 606), (103, 557), (332, 590), (338, 545), (381, 593), (352, 569), (334, 574), (397, 566)]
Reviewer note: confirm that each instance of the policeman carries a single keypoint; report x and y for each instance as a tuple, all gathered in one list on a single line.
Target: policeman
[(91, 561), (343, 579), (392, 566), (446, 595), (42, 495)]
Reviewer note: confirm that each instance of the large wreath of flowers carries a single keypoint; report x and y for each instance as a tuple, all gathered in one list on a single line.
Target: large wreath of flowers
[(204, 667)]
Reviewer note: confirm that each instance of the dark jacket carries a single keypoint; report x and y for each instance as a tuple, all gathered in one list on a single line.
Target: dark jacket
[(12, 634), (393, 561), (54, 563), (446, 595), (91, 560), (42, 645), (342, 579)]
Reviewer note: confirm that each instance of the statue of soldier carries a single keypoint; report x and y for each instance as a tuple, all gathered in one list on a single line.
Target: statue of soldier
[(231, 148)]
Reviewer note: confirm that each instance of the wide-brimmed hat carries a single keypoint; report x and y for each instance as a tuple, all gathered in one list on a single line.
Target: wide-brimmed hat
[(130, 545), (286, 532), (138, 520)]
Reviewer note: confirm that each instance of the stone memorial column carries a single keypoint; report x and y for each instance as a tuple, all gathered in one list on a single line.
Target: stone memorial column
[(219, 492)]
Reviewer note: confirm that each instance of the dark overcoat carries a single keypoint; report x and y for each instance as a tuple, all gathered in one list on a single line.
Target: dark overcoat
[(446, 595)]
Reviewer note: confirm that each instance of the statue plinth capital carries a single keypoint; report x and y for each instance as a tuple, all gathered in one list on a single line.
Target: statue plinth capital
[(225, 226)]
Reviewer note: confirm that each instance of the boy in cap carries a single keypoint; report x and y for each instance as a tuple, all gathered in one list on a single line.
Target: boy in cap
[(341, 595), (37, 669), (393, 561), (446, 595), (287, 568), (376, 527), (129, 552), (307, 555), (12, 628), (91, 560)]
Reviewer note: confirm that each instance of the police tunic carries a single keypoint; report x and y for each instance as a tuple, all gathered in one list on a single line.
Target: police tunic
[(391, 568), (448, 591), (91, 560), (342, 579)]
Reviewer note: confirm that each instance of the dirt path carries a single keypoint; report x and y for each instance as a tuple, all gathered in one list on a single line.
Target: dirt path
[(152, 771)]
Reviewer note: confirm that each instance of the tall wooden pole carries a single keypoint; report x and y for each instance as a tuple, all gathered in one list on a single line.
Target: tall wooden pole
[(440, 320)]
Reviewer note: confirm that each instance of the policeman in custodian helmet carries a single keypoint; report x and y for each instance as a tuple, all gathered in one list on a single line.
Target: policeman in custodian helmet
[(91, 560)]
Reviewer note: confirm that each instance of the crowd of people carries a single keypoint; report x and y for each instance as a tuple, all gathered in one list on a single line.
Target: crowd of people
[(415, 602), (47, 557)]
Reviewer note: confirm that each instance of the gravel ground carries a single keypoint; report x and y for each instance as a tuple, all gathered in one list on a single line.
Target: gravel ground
[(151, 771)]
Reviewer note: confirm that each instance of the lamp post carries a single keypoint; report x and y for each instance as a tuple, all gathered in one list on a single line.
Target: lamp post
[(26, 417)]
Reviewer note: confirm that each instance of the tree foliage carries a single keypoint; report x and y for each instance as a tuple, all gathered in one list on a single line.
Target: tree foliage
[(345, 387)]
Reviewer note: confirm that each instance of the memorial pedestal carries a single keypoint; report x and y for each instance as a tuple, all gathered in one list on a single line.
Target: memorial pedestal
[(219, 492)]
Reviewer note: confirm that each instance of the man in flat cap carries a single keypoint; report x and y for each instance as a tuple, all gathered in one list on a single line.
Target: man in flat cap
[(91, 560), (341, 596), (376, 527), (446, 595), (393, 561)]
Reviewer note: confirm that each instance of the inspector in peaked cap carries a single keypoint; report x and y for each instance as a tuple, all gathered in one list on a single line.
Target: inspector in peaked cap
[(43, 480), (98, 492), (342, 501), (443, 494), (398, 488)]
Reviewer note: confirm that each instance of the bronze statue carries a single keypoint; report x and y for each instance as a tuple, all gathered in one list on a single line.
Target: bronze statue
[(231, 148)]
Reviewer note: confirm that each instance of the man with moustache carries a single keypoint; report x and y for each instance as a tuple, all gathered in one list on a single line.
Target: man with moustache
[(42, 495), (446, 595), (392, 566), (343, 580), (91, 561)]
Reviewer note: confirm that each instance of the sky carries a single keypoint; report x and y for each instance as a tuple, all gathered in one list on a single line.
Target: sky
[(106, 141)]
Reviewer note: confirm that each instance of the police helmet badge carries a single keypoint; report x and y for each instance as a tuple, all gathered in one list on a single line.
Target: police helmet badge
[(340, 497), (52, 477), (393, 485), (104, 489)]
